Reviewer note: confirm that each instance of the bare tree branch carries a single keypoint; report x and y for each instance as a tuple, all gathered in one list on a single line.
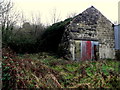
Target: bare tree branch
[(8, 18), (71, 15), (55, 16)]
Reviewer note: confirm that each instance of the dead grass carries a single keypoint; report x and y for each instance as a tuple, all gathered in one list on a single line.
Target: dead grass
[(44, 70)]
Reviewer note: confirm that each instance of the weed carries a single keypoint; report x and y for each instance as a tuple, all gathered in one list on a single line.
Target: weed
[(43, 70)]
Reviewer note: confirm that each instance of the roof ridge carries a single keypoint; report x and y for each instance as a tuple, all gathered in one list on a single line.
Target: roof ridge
[(92, 11)]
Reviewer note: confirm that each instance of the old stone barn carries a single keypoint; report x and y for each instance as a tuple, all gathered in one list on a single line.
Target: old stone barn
[(89, 36)]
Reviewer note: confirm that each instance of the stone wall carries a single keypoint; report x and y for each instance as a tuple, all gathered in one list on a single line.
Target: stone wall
[(90, 25), (105, 34)]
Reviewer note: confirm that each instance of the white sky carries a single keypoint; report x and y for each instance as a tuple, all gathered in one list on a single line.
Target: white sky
[(108, 8)]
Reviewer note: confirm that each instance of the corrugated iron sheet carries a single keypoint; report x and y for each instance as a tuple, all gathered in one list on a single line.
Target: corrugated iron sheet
[(117, 36)]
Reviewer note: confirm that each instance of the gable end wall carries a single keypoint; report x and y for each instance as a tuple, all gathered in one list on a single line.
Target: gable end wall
[(105, 33)]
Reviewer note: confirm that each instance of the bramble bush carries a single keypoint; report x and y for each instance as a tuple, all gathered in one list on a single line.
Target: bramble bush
[(43, 70)]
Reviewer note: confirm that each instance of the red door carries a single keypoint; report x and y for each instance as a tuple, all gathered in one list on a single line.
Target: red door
[(88, 50)]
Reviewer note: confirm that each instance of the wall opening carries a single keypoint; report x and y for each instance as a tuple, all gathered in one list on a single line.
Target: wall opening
[(86, 50)]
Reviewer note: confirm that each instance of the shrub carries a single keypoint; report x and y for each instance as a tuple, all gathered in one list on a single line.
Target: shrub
[(22, 43), (51, 38)]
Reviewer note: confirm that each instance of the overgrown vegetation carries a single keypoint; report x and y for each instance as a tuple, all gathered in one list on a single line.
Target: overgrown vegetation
[(20, 69), (24, 40), (30, 37), (31, 40), (44, 70), (51, 38)]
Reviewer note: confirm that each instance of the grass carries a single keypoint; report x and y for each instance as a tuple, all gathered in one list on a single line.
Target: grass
[(45, 70)]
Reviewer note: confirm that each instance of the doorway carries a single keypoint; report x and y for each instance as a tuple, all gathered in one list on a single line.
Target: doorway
[(86, 50)]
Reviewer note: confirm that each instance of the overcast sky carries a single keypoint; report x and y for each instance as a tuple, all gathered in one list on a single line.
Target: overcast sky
[(108, 8)]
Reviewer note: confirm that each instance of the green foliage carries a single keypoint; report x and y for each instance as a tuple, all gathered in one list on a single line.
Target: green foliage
[(41, 70), (22, 39), (22, 43), (6, 34), (34, 38), (52, 36), (89, 74)]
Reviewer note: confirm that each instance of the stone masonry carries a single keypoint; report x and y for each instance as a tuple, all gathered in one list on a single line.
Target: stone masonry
[(89, 25)]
